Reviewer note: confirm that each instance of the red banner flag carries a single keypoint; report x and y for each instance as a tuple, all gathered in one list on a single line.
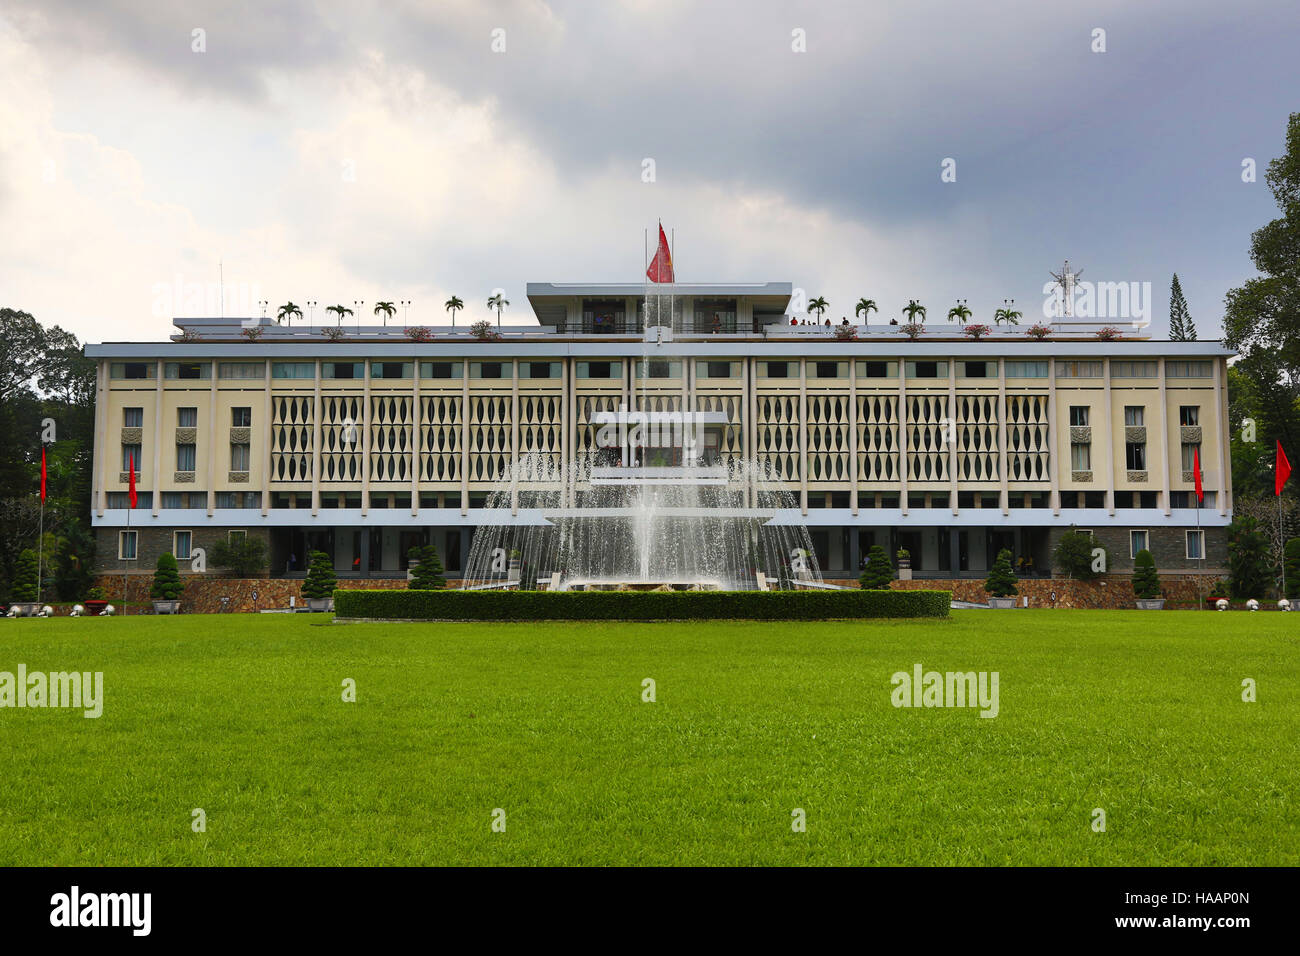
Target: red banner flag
[(42, 474), (1196, 471), (130, 488), (661, 267), (1281, 472)]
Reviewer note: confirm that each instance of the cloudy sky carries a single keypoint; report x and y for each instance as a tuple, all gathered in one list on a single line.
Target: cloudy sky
[(364, 151)]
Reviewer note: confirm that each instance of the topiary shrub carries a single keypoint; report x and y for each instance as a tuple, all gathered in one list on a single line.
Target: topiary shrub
[(1001, 581), (878, 572), (427, 575), (25, 588), (321, 578), (1291, 564), (167, 584), (1146, 581)]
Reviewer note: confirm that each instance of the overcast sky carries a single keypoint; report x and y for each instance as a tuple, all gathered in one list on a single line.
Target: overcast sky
[(365, 151)]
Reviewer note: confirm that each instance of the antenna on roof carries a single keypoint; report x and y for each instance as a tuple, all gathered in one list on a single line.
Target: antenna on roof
[(1065, 282), (221, 282)]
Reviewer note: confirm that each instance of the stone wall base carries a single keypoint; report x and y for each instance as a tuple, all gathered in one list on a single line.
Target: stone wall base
[(203, 592)]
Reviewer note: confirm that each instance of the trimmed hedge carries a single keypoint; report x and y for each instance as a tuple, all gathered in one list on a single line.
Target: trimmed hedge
[(637, 605)]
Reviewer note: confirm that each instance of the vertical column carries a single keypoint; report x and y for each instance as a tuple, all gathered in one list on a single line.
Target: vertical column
[(212, 443), (1004, 457), (156, 481), (416, 435), (1166, 447), (803, 435), (98, 491), (853, 453), (514, 436), (746, 381), (902, 435), (1054, 434), (566, 431), (952, 434), (1107, 428), (1224, 495), (315, 447), (464, 439), (267, 430), (365, 443)]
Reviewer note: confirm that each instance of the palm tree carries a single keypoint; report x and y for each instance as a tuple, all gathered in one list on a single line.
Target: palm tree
[(959, 312), (288, 311), (452, 305), (387, 308), (865, 306), (912, 310), (342, 310), (1010, 316), (818, 305), (498, 302)]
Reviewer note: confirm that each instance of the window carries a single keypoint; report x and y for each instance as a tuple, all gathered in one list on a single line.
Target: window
[(126, 545), (715, 369), (239, 456), (1020, 369), (181, 541), (237, 537), (390, 369), (659, 368), (1135, 455), (487, 370), (1079, 415), (877, 369), (1133, 369), (185, 457), (1075, 369), (131, 454), (1188, 369), (978, 369), (172, 499), (241, 417), (120, 500), (1195, 545), (539, 369), (187, 370), (293, 370), (187, 417), (1189, 450), (600, 370), (339, 370), (244, 370), (131, 370), (440, 369), (133, 418), (927, 369), (829, 369), (1080, 456), (1189, 415), (777, 369), (1137, 541), (1135, 415)]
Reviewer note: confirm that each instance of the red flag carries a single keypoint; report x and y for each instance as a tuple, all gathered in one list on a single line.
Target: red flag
[(661, 267), (1281, 470), (42, 474), (1196, 470), (130, 488)]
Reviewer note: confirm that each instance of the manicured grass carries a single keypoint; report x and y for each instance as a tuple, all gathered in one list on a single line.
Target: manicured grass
[(1136, 713)]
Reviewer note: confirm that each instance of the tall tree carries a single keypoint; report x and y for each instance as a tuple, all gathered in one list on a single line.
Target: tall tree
[(818, 305), (1181, 327), (498, 302)]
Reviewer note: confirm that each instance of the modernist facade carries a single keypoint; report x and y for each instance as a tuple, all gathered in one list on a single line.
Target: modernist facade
[(364, 441)]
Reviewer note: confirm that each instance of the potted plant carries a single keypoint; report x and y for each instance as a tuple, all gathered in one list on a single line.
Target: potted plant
[(1001, 582), (318, 586), (1146, 582), (1109, 334), (976, 332), (846, 333), (913, 330), (904, 558), (333, 333), (1039, 331), (95, 602), (877, 574), (483, 331), (251, 334), (425, 573), (419, 333), (167, 587), (26, 593)]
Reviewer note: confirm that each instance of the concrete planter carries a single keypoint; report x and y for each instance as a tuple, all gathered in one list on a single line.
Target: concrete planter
[(320, 604), (1004, 604), (167, 607), (27, 608), (1151, 604)]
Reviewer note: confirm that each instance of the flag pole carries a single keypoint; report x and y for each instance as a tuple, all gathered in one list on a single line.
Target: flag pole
[(40, 547), (1200, 601)]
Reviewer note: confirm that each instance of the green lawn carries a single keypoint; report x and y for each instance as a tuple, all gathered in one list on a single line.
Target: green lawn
[(1138, 713)]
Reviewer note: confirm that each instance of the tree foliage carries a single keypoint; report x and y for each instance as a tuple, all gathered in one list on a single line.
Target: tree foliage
[(1291, 559), (1249, 571), (878, 572), (167, 584), (321, 578), (243, 555), (25, 579), (1181, 326), (427, 575), (1074, 556), (1001, 581), (1146, 580)]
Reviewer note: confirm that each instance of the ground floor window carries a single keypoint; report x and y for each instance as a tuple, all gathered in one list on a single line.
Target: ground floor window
[(126, 545), (1195, 545), (1137, 541), (181, 544)]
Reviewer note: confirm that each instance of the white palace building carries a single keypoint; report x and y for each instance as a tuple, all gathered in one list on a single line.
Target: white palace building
[(364, 440)]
